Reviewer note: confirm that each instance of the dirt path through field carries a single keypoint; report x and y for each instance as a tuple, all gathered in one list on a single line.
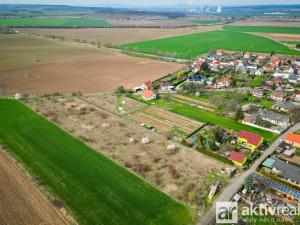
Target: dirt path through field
[(20, 202)]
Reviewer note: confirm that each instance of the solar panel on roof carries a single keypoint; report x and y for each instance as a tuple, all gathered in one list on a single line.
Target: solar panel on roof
[(276, 186)]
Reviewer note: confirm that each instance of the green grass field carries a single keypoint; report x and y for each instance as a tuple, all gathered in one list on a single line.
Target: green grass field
[(264, 29), (97, 190), (190, 46), (63, 22), (209, 117)]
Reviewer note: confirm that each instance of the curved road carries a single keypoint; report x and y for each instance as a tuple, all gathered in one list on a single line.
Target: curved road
[(236, 183)]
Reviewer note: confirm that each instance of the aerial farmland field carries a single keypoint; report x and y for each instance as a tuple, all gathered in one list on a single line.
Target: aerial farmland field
[(21, 201), (191, 46), (38, 66), (117, 36), (264, 29), (54, 22), (96, 190)]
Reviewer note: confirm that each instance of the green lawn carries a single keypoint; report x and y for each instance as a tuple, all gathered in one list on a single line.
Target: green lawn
[(205, 22), (256, 81), (97, 190), (264, 29), (209, 117), (190, 46), (60, 22)]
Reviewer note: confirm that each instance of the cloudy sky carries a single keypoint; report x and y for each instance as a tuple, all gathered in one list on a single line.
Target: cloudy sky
[(147, 2)]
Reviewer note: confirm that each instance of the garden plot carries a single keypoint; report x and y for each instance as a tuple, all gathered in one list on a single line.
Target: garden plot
[(181, 173), (194, 102), (166, 121), (115, 104)]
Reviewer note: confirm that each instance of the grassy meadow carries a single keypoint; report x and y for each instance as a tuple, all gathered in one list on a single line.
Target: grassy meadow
[(54, 22), (264, 29), (95, 189), (193, 45)]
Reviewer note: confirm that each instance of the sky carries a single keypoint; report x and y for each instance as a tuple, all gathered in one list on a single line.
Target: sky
[(148, 3)]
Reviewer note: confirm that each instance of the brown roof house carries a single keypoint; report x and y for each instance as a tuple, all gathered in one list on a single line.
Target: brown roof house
[(278, 95)]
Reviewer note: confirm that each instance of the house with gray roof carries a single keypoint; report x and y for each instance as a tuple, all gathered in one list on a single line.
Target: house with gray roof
[(286, 171), (284, 106), (275, 118), (293, 78)]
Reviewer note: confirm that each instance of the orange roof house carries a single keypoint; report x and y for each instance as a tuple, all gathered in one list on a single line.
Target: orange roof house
[(293, 139), (220, 51), (149, 95)]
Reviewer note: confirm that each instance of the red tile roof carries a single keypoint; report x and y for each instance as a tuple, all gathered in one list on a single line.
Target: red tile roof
[(237, 157), (225, 79), (148, 94), (253, 139), (293, 138), (148, 84)]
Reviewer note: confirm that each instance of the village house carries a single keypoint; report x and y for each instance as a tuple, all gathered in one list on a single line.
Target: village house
[(293, 139), (269, 84), (147, 85), (149, 95), (223, 83), (296, 97), (259, 93), (284, 106), (166, 86), (262, 56), (220, 52), (293, 79), (196, 78), (247, 55), (275, 118), (250, 118), (286, 171), (269, 67), (278, 95), (258, 72), (278, 81), (281, 74), (238, 158), (249, 140)]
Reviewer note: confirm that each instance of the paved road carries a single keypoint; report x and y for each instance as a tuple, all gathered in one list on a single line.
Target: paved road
[(236, 183)]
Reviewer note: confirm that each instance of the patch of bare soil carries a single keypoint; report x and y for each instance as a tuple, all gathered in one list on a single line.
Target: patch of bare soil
[(182, 173), (37, 66), (21, 203), (166, 121), (118, 36), (281, 37), (266, 23)]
